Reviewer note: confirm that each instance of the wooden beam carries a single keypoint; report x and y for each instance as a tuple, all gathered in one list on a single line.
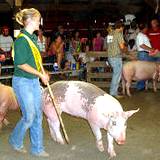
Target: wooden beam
[(18, 3), (152, 3), (70, 7), (84, 7), (4, 7), (10, 2)]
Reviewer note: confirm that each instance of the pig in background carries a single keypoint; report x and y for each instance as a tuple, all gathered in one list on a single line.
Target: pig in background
[(7, 101), (139, 70), (87, 101)]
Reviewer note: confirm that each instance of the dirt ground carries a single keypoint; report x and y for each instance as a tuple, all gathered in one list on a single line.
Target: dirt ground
[(143, 135)]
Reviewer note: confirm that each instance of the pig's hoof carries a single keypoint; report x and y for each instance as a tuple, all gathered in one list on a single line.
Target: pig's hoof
[(1, 126), (155, 90), (60, 141), (100, 146), (112, 154)]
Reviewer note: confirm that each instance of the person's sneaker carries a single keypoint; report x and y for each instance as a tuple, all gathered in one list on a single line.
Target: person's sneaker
[(42, 154), (140, 89), (118, 96), (21, 150)]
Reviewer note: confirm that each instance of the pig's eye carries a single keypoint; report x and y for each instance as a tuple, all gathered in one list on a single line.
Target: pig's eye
[(114, 123)]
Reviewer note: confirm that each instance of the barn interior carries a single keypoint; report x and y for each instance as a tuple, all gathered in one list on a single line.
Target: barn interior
[(142, 141)]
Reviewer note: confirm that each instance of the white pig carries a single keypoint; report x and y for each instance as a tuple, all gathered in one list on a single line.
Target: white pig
[(87, 101), (139, 70)]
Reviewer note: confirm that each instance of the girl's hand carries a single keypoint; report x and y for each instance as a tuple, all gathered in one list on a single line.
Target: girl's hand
[(45, 78)]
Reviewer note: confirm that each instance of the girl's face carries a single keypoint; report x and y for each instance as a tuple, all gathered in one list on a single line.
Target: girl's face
[(35, 22)]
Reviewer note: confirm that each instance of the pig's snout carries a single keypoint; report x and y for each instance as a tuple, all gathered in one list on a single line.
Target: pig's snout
[(121, 140)]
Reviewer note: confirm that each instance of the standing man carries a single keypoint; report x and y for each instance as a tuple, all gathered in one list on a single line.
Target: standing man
[(143, 47), (25, 82), (154, 36), (115, 44)]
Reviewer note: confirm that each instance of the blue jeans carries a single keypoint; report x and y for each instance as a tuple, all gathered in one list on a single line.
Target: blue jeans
[(116, 64), (28, 94), (142, 56)]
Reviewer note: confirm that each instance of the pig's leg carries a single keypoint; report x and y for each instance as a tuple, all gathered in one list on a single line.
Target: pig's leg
[(1, 126), (128, 84), (110, 146), (53, 135), (55, 131), (2, 115), (154, 85), (97, 132), (146, 85), (123, 86)]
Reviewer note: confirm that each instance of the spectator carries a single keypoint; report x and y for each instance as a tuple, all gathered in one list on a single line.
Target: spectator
[(57, 50), (115, 44), (143, 44), (154, 36), (98, 42), (76, 42), (143, 48), (42, 42), (61, 32), (5, 40)]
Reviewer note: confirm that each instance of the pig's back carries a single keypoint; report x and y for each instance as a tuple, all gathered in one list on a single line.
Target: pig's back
[(88, 90), (76, 97)]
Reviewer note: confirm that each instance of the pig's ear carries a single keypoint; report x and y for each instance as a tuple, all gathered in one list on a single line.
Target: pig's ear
[(130, 113)]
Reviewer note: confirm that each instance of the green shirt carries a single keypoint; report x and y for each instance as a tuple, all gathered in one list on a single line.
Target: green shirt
[(23, 55), (113, 44)]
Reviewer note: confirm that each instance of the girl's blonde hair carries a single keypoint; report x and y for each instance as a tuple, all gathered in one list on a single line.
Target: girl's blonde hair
[(24, 14)]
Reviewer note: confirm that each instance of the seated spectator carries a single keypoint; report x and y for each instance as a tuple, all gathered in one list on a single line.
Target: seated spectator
[(98, 42), (56, 51), (74, 48), (76, 42), (42, 42), (5, 41), (61, 32), (82, 57)]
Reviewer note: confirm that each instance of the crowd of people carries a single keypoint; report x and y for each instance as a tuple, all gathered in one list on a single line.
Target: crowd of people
[(66, 48)]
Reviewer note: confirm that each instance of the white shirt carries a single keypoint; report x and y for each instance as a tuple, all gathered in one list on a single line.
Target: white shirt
[(6, 43), (42, 45), (142, 39)]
